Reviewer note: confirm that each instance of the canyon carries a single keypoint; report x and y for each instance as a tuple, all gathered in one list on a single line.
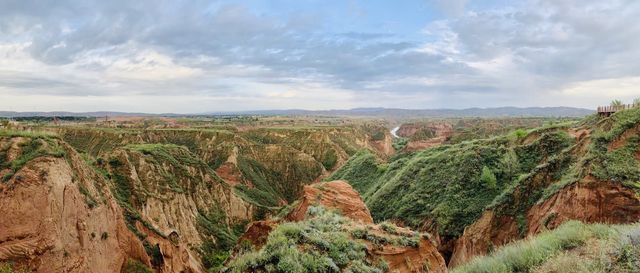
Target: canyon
[(179, 197)]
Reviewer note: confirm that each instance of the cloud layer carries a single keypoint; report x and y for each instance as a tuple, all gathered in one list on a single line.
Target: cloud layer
[(197, 56)]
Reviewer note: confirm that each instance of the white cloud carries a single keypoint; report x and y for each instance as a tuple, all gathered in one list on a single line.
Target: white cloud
[(176, 58), (627, 88)]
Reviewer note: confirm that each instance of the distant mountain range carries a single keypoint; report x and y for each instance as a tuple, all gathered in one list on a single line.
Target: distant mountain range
[(397, 112), (361, 112)]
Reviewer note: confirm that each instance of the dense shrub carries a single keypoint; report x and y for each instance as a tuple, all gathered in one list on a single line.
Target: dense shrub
[(320, 243)]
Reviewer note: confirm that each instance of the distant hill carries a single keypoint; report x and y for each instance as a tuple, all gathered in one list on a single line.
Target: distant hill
[(363, 112), (12, 114), (397, 112)]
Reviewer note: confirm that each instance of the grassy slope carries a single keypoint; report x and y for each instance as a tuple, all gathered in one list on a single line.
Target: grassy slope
[(444, 183), (572, 247)]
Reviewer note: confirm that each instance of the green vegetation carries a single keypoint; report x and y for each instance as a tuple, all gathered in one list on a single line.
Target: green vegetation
[(423, 134), (400, 143), (359, 170), (478, 128), (330, 159), (9, 268), (263, 193), (619, 164), (488, 178), (35, 145), (219, 238), (124, 192), (135, 266), (320, 243), (616, 103), (401, 239), (572, 247), (453, 184)]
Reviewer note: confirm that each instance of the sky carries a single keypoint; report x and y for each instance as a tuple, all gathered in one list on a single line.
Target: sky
[(195, 56)]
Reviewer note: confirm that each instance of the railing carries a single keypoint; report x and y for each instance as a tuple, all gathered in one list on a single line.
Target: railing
[(616, 108)]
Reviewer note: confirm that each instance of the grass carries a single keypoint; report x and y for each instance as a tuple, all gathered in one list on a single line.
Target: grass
[(446, 183), (6, 267), (27, 134), (219, 238), (361, 171), (524, 255), (399, 143), (36, 145), (264, 193), (135, 266), (449, 186), (320, 243), (572, 247)]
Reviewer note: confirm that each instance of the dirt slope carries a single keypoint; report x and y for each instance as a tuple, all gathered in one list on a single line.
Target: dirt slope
[(59, 216)]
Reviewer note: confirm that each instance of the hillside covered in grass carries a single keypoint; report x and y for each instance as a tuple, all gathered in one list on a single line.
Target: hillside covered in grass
[(513, 185), (572, 247), (446, 183)]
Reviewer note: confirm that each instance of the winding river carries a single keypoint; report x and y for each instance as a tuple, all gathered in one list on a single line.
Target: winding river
[(394, 131)]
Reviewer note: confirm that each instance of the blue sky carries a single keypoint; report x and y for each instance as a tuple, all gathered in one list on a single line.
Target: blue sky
[(201, 56)]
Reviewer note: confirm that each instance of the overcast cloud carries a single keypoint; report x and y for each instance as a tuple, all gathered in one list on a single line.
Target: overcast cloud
[(200, 56)]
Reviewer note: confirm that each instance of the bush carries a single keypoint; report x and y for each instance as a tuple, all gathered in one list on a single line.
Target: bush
[(520, 134), (488, 178), (317, 244), (135, 266)]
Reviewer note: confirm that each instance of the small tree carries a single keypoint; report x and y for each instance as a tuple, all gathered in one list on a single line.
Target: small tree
[(616, 102), (488, 178), (520, 133), (636, 101), (510, 163)]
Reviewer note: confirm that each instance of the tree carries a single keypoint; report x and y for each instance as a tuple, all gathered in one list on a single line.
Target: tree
[(510, 163), (488, 178), (636, 101), (616, 102), (520, 133)]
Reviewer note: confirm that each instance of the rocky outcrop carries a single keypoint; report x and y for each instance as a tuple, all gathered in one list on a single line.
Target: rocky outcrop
[(422, 258), (48, 227), (257, 232), (174, 189), (592, 202), (59, 215), (425, 135), (337, 195)]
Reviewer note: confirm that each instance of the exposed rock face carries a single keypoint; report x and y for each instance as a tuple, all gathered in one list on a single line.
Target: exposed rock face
[(47, 226), (194, 190), (58, 215), (425, 258), (257, 232), (590, 202), (335, 195), (594, 202), (425, 135)]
